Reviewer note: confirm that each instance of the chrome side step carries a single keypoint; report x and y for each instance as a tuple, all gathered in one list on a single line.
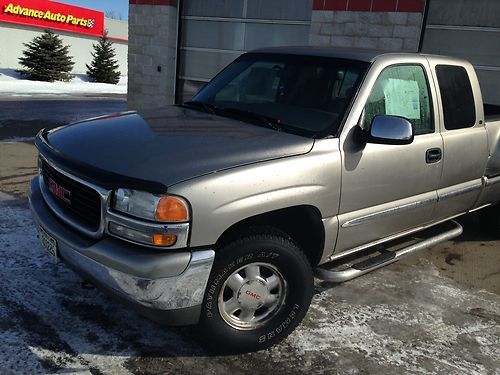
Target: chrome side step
[(448, 230)]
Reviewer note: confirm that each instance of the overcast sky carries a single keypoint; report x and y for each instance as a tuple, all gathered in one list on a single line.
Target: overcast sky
[(119, 7)]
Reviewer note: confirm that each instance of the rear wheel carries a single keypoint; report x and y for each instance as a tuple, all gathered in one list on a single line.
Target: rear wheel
[(259, 290)]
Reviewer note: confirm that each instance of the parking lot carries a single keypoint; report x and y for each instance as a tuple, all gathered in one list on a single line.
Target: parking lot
[(406, 317)]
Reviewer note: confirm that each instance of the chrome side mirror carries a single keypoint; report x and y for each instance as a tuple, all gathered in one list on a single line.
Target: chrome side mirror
[(388, 130)]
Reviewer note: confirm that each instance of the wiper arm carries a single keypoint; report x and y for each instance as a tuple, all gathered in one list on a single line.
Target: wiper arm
[(207, 107), (267, 121), (243, 114)]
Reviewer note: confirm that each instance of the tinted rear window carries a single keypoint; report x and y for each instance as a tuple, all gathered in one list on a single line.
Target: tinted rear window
[(456, 94)]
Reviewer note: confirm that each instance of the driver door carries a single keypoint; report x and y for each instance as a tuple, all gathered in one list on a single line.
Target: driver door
[(388, 189)]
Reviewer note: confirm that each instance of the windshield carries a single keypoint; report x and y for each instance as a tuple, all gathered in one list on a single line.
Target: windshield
[(305, 95)]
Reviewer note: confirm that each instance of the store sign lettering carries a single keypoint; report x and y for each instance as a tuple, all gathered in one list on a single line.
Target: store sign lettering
[(48, 15), (53, 15)]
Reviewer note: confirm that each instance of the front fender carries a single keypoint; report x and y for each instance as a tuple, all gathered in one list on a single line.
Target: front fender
[(222, 199)]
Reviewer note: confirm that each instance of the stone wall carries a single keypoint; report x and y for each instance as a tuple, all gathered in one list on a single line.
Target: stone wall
[(152, 53), (372, 24)]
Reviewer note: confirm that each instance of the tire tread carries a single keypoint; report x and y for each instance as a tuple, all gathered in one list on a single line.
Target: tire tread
[(252, 235)]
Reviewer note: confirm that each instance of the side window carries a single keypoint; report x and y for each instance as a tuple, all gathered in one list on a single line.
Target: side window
[(459, 109), (401, 91)]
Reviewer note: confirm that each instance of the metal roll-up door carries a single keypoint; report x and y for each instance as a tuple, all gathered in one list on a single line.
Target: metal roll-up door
[(469, 29), (214, 32)]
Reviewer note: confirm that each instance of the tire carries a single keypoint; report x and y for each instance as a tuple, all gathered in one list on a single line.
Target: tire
[(259, 290), (489, 220)]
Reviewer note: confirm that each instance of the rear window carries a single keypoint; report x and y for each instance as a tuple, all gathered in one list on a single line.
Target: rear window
[(456, 94)]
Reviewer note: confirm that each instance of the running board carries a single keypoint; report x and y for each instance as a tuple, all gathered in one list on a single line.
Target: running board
[(448, 230)]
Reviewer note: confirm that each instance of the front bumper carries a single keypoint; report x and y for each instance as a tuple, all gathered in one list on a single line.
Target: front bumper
[(165, 286)]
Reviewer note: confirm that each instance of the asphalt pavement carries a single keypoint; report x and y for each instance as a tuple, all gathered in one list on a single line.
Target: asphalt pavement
[(22, 117), (399, 319)]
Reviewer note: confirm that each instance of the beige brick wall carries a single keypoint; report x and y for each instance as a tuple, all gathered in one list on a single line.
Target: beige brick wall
[(390, 31)]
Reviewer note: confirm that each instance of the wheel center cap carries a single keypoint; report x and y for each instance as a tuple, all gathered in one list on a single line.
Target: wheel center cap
[(253, 294)]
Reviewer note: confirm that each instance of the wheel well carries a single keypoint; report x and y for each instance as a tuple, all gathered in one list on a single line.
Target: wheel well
[(302, 223)]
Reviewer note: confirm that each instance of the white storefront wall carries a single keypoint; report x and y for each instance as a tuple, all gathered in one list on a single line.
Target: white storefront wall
[(80, 46)]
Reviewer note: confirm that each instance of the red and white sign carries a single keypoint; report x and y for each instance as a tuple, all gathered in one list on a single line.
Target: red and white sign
[(52, 15)]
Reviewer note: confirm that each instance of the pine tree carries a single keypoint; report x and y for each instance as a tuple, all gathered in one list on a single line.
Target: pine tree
[(46, 59), (104, 68)]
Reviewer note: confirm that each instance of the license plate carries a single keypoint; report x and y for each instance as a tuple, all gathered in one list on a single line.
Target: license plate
[(48, 243)]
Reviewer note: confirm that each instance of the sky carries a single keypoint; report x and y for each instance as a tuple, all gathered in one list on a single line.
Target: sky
[(119, 7)]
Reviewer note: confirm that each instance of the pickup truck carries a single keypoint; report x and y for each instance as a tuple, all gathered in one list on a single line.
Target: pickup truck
[(292, 163)]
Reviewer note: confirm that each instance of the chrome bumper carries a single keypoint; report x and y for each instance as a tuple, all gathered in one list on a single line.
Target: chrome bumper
[(154, 279)]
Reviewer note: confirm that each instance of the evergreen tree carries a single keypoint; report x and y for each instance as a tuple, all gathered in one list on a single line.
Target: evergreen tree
[(104, 68), (46, 59)]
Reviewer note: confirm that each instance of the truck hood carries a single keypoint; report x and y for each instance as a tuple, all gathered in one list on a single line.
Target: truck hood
[(170, 145)]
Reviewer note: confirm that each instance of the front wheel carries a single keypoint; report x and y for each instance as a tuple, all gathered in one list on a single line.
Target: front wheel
[(259, 290)]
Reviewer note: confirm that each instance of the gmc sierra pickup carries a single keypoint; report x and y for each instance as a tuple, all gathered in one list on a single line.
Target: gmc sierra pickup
[(291, 163)]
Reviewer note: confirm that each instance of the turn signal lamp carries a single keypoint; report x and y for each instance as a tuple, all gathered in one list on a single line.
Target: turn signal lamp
[(164, 239), (171, 209)]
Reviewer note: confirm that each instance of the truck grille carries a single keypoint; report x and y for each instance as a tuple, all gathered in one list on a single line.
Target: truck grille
[(80, 202)]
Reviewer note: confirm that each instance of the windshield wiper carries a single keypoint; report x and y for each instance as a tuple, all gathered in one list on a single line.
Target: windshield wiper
[(244, 115), (196, 104), (267, 121)]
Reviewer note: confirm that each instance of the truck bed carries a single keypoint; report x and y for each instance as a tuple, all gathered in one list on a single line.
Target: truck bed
[(492, 119)]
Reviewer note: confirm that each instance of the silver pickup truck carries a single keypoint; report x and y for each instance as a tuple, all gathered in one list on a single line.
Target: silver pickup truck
[(291, 163)]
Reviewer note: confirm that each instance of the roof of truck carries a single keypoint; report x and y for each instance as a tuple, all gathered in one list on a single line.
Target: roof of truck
[(357, 54), (342, 53)]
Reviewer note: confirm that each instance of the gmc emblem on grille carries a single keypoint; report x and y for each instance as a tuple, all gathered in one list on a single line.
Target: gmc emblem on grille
[(60, 192)]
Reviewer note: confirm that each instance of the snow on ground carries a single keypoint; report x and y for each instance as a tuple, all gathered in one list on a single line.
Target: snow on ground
[(11, 84), (400, 319)]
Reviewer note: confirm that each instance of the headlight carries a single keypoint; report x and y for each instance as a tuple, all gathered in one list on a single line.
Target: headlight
[(151, 206), (166, 223)]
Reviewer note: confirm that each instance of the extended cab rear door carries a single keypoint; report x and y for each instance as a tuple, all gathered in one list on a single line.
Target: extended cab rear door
[(465, 139), (388, 189)]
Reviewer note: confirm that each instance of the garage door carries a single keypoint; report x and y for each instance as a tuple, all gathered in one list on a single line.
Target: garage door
[(215, 32), (468, 29)]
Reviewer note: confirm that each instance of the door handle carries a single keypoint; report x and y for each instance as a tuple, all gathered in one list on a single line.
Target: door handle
[(433, 155)]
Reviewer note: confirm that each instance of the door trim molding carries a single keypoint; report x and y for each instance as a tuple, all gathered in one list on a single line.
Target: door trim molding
[(387, 212), (441, 196), (460, 191)]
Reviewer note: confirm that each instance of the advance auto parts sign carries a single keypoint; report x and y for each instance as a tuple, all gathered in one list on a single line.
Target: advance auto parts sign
[(52, 15)]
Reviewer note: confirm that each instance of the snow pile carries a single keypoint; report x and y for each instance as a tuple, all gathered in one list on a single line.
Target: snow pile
[(11, 84)]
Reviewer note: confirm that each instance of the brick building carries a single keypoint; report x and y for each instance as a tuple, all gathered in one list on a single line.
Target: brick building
[(177, 46)]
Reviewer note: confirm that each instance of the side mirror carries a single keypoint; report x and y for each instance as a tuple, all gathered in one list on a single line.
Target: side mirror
[(388, 130)]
